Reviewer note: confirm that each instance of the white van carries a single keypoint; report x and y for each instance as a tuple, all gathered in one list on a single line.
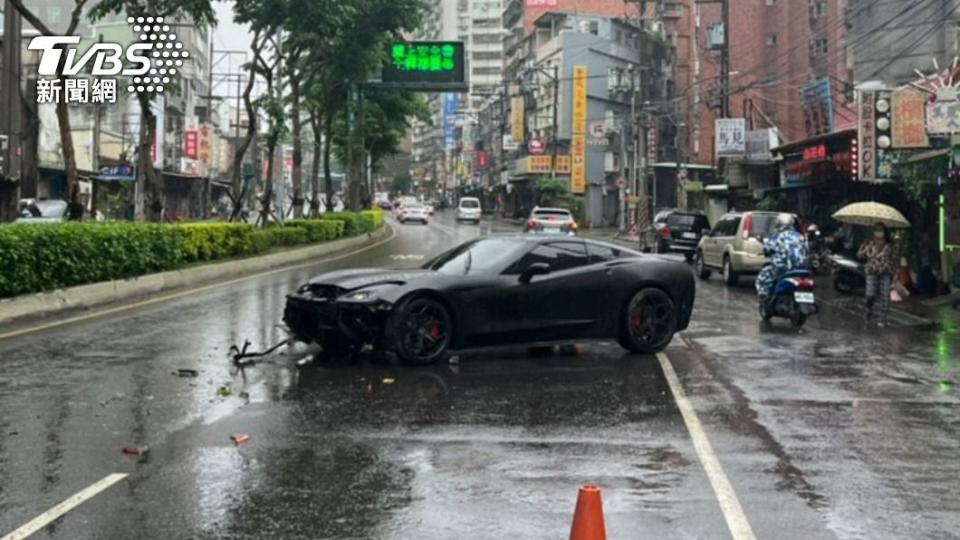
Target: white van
[(468, 210)]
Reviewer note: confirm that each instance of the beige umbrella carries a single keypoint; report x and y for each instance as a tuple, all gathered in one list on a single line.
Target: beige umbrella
[(869, 214)]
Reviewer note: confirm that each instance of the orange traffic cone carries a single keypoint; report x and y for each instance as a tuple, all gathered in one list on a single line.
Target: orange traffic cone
[(588, 516)]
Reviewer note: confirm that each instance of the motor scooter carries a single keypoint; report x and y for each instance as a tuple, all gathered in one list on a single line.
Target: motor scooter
[(819, 258), (848, 274), (792, 298)]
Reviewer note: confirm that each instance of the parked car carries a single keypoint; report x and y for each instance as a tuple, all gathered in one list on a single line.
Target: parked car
[(675, 230), (413, 212), (551, 221), (468, 209), (501, 290), (429, 208), (735, 245), (45, 211)]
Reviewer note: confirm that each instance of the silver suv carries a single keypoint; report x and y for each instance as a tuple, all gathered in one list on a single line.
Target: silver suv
[(735, 245)]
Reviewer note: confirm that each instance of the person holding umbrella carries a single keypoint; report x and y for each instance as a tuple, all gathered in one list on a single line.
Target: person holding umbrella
[(880, 268)]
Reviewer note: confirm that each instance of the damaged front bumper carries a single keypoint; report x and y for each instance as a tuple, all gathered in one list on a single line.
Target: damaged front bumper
[(330, 322)]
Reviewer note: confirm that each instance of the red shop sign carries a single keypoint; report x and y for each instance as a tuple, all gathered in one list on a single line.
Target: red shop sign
[(815, 152)]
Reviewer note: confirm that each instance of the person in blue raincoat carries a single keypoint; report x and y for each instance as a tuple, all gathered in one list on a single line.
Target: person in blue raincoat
[(789, 248)]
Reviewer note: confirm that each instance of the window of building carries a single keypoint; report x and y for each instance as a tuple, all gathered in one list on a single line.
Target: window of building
[(771, 39), (487, 38), (617, 36), (486, 71), (818, 47), (594, 27), (486, 55), (771, 2), (818, 8)]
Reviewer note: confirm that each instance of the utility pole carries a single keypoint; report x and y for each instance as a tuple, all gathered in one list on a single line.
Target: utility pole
[(725, 60), (95, 158), (556, 138), (10, 106)]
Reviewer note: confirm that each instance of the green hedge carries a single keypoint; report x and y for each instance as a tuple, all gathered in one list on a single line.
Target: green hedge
[(318, 230), (40, 257), (355, 223)]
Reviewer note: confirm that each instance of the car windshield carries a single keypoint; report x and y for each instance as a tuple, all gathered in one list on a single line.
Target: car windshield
[(547, 214), (486, 256), (686, 220), (469, 204)]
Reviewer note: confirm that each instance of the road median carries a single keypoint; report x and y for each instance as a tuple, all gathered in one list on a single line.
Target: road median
[(105, 292)]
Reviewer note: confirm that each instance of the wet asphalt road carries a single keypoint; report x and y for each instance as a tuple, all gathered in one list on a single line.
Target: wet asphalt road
[(836, 432)]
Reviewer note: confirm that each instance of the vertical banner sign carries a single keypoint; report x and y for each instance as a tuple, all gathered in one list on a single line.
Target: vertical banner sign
[(516, 119), (190, 144), (731, 137), (867, 139), (203, 146), (578, 171), (451, 103), (908, 127), (817, 107)]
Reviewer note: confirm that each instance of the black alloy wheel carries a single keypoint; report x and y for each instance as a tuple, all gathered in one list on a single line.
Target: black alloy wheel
[(422, 330), (649, 322)]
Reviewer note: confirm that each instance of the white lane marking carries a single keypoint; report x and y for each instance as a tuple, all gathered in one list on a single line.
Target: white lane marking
[(729, 504), (188, 292), (74, 501)]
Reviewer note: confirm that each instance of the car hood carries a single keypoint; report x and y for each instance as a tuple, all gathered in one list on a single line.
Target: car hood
[(357, 278)]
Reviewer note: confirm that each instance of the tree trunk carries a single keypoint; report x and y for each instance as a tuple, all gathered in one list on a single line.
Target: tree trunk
[(69, 158), (148, 205), (315, 169), (237, 187), (267, 195), (327, 149), (297, 172)]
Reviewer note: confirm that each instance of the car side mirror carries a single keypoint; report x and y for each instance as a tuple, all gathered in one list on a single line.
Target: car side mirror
[(534, 269)]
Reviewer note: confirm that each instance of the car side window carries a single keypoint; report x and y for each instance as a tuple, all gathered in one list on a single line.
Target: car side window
[(558, 255), (600, 253)]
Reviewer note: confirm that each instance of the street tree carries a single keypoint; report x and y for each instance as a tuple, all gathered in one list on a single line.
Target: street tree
[(367, 29), (193, 13), (63, 112)]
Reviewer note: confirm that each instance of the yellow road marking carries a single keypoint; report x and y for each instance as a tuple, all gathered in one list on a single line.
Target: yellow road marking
[(74, 501), (729, 504), (171, 296)]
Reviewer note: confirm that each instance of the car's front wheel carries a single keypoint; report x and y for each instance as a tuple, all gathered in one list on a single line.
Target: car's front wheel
[(649, 322), (421, 330)]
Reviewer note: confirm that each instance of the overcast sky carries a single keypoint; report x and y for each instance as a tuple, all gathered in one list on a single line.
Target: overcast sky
[(229, 36)]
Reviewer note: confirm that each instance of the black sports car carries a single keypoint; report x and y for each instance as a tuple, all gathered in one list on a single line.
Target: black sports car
[(498, 291)]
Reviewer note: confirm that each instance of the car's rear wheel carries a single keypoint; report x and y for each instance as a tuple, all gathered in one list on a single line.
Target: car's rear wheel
[(421, 330), (649, 322), (729, 276), (702, 271)]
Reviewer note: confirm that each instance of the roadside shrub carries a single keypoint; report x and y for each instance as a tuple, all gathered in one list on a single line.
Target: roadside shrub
[(45, 256), (212, 241), (318, 230), (37, 257)]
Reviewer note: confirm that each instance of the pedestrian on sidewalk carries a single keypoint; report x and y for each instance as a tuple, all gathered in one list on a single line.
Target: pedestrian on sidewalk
[(880, 268)]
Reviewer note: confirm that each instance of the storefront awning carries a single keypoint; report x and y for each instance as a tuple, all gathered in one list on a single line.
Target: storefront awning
[(838, 135), (673, 165)]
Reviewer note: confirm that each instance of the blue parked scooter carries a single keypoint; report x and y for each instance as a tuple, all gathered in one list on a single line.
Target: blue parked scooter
[(792, 299)]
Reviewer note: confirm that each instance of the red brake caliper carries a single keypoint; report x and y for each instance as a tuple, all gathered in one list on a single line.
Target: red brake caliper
[(435, 330), (636, 322)]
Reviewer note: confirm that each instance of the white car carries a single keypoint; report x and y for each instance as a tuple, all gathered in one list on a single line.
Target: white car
[(413, 212), (469, 210)]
